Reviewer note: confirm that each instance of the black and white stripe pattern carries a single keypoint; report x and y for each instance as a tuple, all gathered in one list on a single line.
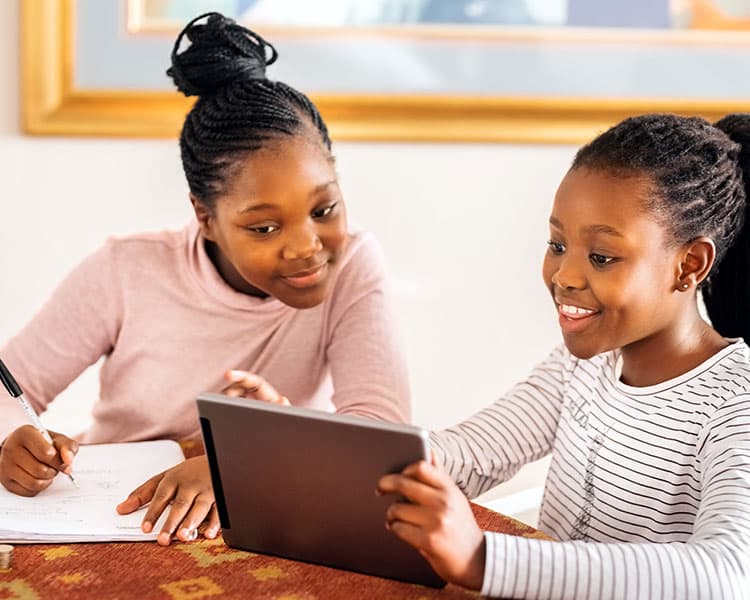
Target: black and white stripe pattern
[(658, 476)]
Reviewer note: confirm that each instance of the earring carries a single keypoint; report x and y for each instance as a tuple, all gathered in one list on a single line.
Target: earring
[(685, 286)]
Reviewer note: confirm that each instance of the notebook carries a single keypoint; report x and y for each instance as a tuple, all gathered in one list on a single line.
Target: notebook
[(106, 474), (300, 484)]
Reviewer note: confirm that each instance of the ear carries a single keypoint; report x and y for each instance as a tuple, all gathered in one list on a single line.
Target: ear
[(205, 217), (698, 257)]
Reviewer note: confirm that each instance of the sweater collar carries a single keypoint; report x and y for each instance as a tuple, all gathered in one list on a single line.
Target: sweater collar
[(210, 281)]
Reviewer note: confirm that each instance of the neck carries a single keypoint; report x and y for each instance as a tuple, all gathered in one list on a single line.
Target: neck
[(670, 353), (228, 273)]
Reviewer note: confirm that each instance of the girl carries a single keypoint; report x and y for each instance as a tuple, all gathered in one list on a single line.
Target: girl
[(266, 280), (646, 407)]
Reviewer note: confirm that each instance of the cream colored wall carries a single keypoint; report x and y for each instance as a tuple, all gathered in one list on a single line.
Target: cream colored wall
[(463, 228)]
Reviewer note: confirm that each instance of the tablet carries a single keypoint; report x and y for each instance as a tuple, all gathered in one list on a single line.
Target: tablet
[(300, 484)]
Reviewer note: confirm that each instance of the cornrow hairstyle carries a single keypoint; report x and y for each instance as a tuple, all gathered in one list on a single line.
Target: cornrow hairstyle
[(699, 175), (238, 110)]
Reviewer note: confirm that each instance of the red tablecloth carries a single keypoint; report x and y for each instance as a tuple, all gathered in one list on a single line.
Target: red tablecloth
[(203, 569)]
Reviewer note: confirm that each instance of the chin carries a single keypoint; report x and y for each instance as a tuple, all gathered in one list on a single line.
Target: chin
[(582, 351), (303, 301)]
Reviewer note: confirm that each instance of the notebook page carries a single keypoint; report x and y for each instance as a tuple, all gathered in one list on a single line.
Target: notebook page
[(106, 474)]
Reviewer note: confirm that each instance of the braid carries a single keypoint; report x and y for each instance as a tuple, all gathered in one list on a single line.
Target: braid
[(696, 173), (238, 110)]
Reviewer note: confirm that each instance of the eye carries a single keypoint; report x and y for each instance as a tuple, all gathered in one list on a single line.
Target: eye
[(263, 229), (320, 213), (600, 260), (555, 247)]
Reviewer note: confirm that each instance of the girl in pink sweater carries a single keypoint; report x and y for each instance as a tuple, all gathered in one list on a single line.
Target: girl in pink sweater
[(268, 280)]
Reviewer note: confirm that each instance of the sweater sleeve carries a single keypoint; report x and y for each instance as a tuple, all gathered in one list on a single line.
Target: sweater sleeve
[(365, 352), (72, 330), (713, 563), (490, 447)]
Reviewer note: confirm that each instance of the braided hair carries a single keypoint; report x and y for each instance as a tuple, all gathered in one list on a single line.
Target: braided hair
[(699, 175), (238, 110)]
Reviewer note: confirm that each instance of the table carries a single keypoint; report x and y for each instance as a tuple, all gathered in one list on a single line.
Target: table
[(205, 569)]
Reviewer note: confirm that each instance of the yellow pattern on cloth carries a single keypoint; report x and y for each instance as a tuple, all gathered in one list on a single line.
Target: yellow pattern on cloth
[(213, 552), (72, 578), (267, 573), (18, 590), (192, 589), (57, 552)]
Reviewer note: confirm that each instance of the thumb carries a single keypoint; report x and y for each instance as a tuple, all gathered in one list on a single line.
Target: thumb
[(66, 447)]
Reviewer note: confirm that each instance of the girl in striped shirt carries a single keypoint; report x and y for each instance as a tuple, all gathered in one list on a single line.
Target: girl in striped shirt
[(645, 408)]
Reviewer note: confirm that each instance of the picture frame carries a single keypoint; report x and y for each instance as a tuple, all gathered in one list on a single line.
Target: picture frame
[(55, 102)]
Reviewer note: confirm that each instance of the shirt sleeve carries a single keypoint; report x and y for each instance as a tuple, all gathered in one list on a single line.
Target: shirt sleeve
[(72, 330), (490, 447), (713, 564), (365, 352)]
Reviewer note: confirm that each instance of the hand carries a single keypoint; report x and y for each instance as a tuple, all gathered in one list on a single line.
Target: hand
[(28, 463), (188, 487), (250, 385), (437, 521)]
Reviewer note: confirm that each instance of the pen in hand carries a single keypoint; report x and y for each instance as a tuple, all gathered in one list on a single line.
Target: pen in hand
[(15, 391)]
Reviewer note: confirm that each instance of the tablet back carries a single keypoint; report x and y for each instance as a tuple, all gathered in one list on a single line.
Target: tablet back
[(300, 484)]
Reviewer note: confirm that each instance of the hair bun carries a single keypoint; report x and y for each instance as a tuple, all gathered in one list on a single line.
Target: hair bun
[(220, 52), (737, 127)]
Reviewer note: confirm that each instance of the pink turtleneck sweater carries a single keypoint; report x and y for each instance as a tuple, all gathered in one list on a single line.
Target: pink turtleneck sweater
[(170, 327)]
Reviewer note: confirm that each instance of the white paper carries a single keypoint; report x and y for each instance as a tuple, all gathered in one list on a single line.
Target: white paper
[(106, 474)]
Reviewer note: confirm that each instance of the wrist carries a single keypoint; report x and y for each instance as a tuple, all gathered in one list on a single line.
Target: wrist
[(474, 578)]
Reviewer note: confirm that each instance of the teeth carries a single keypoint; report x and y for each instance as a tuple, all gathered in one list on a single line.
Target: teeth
[(574, 310)]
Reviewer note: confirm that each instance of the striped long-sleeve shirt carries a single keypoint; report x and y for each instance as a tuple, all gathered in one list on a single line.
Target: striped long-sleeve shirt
[(658, 477)]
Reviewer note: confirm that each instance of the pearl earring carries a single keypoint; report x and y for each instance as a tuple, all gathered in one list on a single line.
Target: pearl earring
[(685, 286)]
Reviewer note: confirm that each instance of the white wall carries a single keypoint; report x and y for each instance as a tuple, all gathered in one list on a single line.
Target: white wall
[(463, 228)]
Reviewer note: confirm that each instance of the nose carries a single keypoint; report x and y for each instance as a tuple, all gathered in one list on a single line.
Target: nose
[(569, 275), (302, 243)]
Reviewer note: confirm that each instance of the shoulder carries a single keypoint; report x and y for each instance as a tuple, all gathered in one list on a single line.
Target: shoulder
[(732, 363), (363, 250), (134, 251), (167, 240), (724, 390), (362, 263), (725, 378)]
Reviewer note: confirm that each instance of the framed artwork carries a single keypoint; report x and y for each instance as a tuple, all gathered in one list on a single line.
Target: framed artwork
[(419, 70)]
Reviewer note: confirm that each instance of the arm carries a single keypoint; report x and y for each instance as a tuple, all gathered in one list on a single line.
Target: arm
[(713, 563), (520, 427), (71, 332), (365, 353)]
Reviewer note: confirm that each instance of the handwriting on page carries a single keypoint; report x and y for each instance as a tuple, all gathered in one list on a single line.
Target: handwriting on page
[(106, 474)]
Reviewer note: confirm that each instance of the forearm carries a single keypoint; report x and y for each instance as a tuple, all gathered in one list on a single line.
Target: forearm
[(533, 569), (489, 447)]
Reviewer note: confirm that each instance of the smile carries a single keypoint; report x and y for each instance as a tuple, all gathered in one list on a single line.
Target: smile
[(574, 318), (574, 312), (307, 279)]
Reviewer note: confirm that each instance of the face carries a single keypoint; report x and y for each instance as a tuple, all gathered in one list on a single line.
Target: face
[(609, 266), (280, 228)]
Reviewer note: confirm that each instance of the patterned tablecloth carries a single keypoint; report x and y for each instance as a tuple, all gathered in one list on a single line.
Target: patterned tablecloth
[(203, 569)]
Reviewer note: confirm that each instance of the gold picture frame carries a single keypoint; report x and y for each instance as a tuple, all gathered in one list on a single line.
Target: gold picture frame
[(53, 105)]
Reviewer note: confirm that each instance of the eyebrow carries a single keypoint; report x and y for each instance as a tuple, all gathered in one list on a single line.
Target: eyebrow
[(603, 229), (590, 229), (268, 206)]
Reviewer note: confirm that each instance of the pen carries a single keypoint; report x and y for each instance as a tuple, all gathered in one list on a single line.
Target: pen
[(15, 390)]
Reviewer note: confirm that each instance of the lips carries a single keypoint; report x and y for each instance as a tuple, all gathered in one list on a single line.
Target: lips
[(574, 318), (308, 277)]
